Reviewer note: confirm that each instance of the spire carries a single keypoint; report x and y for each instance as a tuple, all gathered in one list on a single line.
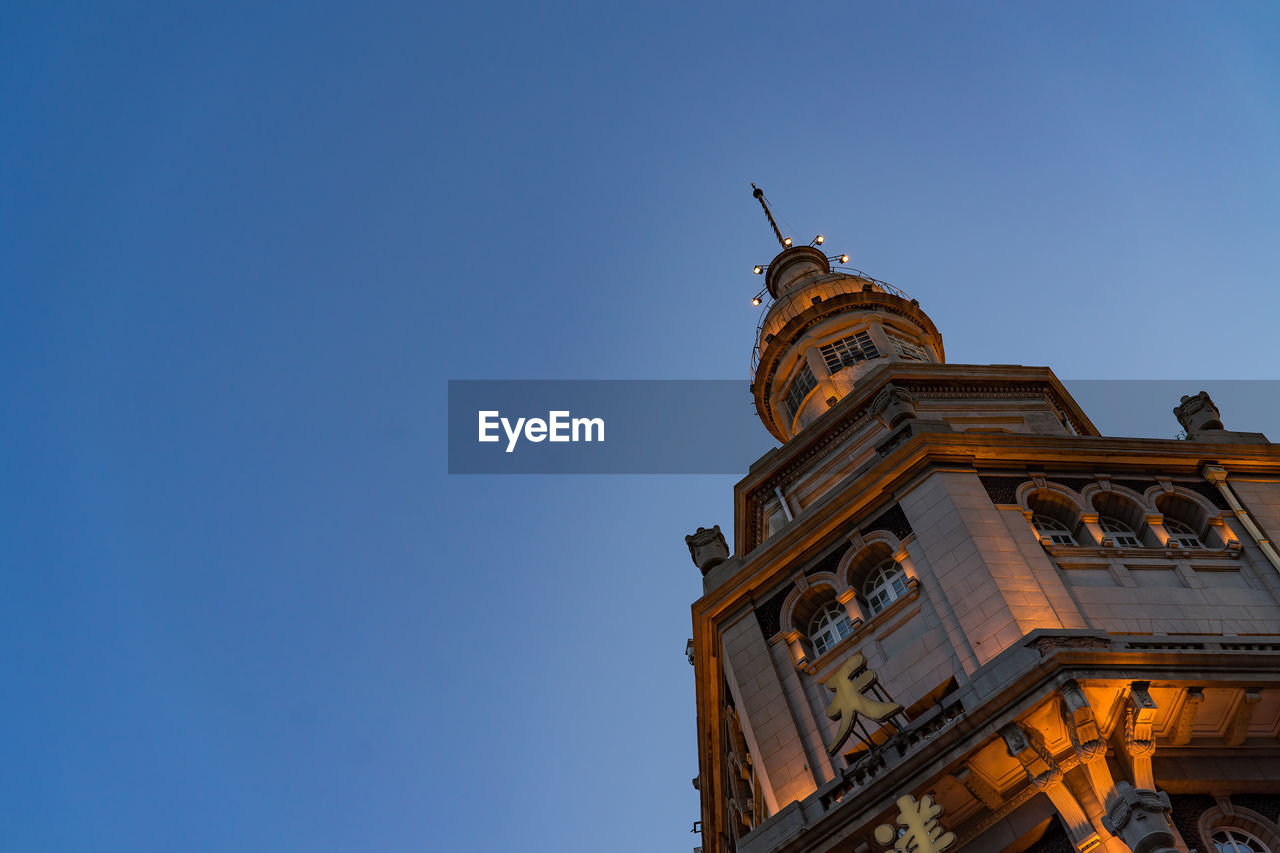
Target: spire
[(784, 242)]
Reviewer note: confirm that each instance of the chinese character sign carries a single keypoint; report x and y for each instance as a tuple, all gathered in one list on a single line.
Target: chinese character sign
[(920, 831), (849, 700)]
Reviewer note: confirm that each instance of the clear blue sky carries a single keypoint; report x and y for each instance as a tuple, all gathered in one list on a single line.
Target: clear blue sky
[(243, 247)]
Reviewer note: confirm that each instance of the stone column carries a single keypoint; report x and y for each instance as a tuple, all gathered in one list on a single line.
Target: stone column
[(1155, 523), (1089, 521), (1046, 775), (849, 598), (1139, 818), (795, 643)]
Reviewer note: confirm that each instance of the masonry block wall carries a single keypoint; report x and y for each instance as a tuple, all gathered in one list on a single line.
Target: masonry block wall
[(984, 581)]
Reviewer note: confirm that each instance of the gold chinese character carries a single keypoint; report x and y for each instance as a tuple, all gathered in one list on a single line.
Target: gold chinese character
[(920, 831), (849, 702)]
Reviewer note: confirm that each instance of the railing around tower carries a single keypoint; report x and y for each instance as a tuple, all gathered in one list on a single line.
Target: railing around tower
[(769, 303)]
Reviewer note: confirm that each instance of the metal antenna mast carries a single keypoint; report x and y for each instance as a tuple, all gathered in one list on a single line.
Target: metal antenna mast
[(759, 194)]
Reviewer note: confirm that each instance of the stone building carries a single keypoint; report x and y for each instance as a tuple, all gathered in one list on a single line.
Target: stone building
[(956, 617)]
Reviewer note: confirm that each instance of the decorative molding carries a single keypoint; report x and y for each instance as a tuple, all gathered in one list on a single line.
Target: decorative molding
[(1079, 721), (1197, 412), (892, 406), (707, 548), (1129, 800), (978, 786), (1140, 714), (1238, 728), (1036, 761), (1140, 819), (1047, 645), (1187, 716), (1139, 739)]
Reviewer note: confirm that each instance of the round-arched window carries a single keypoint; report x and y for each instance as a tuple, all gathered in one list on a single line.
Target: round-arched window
[(1121, 533), (829, 626), (1232, 840), (1182, 534), (886, 584), (1055, 530)]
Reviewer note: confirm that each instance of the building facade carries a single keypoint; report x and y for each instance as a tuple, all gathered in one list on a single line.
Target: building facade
[(956, 617)]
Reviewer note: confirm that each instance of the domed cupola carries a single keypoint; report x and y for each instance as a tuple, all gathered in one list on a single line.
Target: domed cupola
[(824, 330)]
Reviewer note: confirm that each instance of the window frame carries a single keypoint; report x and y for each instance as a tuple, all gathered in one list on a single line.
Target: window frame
[(795, 401), (885, 583), (1171, 526), (1048, 526), (908, 349), (852, 349), (829, 627), (1235, 846), (1120, 532)]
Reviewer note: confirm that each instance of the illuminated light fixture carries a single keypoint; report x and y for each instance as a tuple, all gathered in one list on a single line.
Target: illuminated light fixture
[(787, 242), (755, 301), (844, 259), (819, 239), (758, 269)]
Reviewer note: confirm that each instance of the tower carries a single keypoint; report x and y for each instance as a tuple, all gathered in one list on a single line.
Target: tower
[(956, 617)]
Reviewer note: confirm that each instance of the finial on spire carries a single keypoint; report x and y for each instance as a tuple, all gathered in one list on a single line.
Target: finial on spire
[(784, 242)]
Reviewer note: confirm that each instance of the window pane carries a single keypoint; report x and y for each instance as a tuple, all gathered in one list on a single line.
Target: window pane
[(849, 351), (804, 382)]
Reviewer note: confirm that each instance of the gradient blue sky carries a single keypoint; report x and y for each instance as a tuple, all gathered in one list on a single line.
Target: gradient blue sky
[(243, 247)]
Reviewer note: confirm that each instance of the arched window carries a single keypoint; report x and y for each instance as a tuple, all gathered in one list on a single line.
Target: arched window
[(1232, 840), (1121, 533), (1055, 530), (1234, 829), (1186, 521), (829, 626), (884, 585), (1122, 519), (1055, 516), (1182, 534), (801, 385)]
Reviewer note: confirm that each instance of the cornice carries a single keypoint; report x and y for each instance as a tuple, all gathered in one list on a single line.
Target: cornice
[(935, 379), (925, 380), (819, 525)]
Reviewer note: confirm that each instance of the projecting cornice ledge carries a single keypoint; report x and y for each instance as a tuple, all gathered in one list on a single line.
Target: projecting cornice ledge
[(994, 451), (866, 489)]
